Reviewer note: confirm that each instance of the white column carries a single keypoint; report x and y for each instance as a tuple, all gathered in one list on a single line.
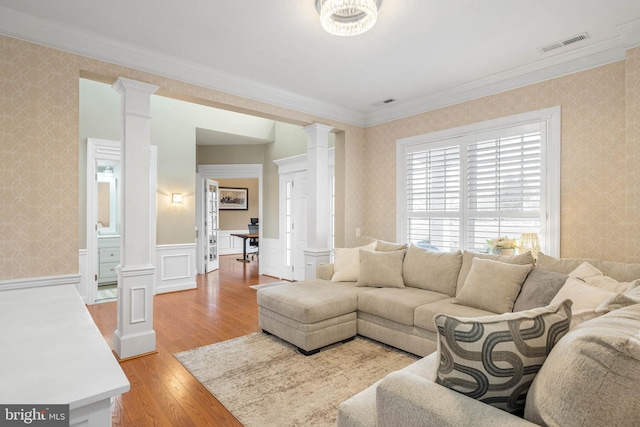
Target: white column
[(318, 203), (134, 334)]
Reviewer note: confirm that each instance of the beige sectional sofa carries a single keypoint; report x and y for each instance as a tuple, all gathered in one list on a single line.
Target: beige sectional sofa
[(410, 302)]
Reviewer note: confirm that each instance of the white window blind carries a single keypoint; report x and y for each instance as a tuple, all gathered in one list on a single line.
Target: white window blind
[(460, 191)]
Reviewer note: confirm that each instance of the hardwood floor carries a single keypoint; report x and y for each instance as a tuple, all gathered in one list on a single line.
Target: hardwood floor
[(163, 393)]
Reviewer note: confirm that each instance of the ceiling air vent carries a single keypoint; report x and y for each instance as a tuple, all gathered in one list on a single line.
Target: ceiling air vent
[(385, 102), (563, 43)]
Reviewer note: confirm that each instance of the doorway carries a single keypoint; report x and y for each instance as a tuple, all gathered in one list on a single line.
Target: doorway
[(104, 212)]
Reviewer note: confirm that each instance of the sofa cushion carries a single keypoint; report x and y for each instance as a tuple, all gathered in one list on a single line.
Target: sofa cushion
[(311, 301), (592, 376), (492, 285), (538, 289), (346, 266), (467, 260), (618, 270), (423, 316), (382, 246), (394, 304), (434, 271), (594, 277), (381, 269), (495, 358)]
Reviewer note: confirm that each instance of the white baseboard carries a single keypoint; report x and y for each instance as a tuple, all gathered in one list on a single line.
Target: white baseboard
[(175, 267)]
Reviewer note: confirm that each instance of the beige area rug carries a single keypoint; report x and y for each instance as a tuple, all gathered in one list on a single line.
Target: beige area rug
[(264, 381)]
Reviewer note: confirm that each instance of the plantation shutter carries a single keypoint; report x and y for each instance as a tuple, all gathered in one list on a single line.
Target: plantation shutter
[(503, 186), (433, 197), (465, 190)]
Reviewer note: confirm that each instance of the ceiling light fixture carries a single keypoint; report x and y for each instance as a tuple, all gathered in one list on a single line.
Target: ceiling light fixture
[(348, 17)]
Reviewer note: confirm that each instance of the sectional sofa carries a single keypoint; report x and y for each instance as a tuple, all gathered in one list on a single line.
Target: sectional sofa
[(441, 305)]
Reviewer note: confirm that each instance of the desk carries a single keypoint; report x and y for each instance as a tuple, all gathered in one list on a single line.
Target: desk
[(244, 237)]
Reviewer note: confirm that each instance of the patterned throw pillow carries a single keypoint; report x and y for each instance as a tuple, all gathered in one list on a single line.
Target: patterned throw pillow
[(494, 359)]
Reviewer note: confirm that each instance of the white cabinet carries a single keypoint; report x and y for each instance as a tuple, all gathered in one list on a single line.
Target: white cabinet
[(108, 259)]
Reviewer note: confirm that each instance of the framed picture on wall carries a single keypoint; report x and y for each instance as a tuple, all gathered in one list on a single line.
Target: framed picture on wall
[(234, 199)]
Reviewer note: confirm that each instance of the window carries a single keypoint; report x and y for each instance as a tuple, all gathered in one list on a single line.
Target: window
[(459, 187)]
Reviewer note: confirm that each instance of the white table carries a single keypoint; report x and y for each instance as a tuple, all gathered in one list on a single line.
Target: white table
[(51, 352)]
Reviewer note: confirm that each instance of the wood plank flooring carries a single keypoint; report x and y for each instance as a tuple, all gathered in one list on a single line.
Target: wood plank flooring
[(163, 393)]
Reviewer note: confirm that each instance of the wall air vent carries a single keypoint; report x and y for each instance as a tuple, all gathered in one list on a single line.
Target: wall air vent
[(563, 43), (385, 102)]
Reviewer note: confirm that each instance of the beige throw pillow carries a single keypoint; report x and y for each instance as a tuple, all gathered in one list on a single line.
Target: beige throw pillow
[(594, 277), (381, 269), (468, 257), (492, 285), (346, 266)]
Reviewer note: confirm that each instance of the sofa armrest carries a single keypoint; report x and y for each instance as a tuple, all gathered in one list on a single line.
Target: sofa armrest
[(407, 400), (324, 271)]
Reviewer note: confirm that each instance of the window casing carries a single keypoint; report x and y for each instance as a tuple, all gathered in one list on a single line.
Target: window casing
[(459, 187)]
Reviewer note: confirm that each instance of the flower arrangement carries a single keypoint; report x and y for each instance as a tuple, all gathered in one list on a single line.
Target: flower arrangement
[(502, 243)]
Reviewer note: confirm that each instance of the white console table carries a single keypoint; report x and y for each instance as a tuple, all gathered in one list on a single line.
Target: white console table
[(51, 352)]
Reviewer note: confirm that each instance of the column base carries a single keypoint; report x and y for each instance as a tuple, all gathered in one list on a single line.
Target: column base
[(312, 259), (134, 345)]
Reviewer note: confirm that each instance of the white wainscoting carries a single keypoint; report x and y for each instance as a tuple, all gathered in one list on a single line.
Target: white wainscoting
[(270, 257), (175, 267), (35, 282), (228, 244)]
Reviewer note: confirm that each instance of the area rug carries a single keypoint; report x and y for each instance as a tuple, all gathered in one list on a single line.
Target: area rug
[(264, 381)]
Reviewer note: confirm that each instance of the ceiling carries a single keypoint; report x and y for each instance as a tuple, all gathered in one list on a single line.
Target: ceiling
[(425, 54)]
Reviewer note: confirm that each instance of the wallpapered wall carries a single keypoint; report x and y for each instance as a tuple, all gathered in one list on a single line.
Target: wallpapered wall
[(39, 146), (600, 168)]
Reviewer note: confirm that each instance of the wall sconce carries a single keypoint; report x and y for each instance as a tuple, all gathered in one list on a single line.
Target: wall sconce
[(177, 198)]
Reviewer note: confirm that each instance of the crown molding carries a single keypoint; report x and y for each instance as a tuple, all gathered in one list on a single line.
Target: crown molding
[(590, 56), (21, 26), (74, 40)]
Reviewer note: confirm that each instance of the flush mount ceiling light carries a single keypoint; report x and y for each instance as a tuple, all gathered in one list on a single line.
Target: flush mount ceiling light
[(348, 17)]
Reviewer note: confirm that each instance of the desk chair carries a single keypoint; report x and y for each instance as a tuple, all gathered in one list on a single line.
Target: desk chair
[(253, 241)]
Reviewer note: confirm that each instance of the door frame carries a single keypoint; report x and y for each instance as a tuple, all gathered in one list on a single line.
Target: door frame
[(217, 172), (102, 149)]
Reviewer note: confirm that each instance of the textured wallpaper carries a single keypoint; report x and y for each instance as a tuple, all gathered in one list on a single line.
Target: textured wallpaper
[(39, 150), (38, 161), (600, 189)]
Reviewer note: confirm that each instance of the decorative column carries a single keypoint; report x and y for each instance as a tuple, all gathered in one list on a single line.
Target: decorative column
[(134, 334), (318, 203)]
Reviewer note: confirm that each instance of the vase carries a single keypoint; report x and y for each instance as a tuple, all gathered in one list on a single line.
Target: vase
[(506, 251)]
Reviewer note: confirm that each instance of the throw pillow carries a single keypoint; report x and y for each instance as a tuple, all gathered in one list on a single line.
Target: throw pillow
[(594, 277), (586, 300), (381, 269), (494, 359), (618, 270), (584, 296), (468, 257), (433, 271), (346, 265), (492, 285), (538, 289)]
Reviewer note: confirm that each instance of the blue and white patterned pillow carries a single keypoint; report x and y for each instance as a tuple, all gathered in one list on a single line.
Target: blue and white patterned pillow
[(494, 359)]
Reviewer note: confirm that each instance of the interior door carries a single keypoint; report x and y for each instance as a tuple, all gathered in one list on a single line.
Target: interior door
[(211, 225), (294, 224)]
